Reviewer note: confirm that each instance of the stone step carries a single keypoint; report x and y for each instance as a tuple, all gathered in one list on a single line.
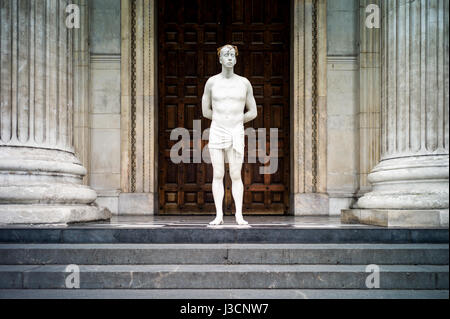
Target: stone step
[(238, 294), (122, 254), (153, 234), (224, 277)]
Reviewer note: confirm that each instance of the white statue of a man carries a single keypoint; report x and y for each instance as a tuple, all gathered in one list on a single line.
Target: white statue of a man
[(224, 100)]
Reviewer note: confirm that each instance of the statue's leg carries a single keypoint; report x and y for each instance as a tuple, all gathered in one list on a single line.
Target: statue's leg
[(217, 160), (237, 188)]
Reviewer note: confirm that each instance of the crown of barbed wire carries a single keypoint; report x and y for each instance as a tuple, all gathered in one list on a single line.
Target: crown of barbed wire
[(228, 45)]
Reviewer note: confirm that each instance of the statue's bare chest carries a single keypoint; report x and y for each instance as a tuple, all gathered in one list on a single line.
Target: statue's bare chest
[(229, 90)]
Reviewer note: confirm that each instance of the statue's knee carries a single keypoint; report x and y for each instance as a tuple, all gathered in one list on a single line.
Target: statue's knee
[(235, 176), (218, 174)]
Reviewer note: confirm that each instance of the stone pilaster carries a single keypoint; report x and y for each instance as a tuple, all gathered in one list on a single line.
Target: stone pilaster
[(40, 177), (410, 183), (369, 97), (309, 108), (138, 108), (81, 78)]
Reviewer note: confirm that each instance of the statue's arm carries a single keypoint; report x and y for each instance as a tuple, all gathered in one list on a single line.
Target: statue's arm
[(206, 100), (250, 103)]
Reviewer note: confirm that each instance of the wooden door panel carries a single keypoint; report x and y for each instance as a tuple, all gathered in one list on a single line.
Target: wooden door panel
[(190, 31)]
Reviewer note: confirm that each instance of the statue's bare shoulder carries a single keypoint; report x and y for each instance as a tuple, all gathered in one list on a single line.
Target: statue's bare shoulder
[(245, 81), (210, 82)]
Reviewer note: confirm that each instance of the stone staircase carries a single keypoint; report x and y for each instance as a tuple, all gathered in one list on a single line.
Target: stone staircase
[(202, 270)]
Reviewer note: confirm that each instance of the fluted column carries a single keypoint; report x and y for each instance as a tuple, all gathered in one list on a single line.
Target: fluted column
[(411, 179), (40, 177)]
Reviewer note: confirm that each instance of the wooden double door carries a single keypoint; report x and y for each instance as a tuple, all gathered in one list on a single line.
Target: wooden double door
[(189, 33)]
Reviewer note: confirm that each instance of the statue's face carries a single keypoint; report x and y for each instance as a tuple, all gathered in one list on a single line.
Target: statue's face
[(228, 57)]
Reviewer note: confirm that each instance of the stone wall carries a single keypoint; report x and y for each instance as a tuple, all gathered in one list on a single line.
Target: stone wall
[(342, 103), (105, 101), (342, 24), (105, 26)]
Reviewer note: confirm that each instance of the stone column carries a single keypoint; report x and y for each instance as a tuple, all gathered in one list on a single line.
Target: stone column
[(410, 184), (40, 177)]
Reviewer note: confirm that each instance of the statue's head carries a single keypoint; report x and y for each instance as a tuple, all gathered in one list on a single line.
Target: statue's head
[(227, 55)]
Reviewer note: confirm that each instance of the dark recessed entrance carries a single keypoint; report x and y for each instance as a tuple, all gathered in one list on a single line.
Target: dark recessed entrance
[(189, 33)]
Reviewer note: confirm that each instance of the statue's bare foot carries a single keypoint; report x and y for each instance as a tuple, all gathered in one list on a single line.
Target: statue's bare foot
[(240, 220), (217, 221)]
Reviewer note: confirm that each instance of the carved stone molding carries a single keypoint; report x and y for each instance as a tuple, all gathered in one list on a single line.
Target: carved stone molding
[(138, 106), (308, 107)]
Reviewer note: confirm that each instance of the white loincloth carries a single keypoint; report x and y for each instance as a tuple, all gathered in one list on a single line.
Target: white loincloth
[(223, 138)]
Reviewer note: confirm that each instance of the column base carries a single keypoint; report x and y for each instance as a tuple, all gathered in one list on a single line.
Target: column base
[(310, 204), (51, 214), (137, 204), (408, 183), (396, 218)]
